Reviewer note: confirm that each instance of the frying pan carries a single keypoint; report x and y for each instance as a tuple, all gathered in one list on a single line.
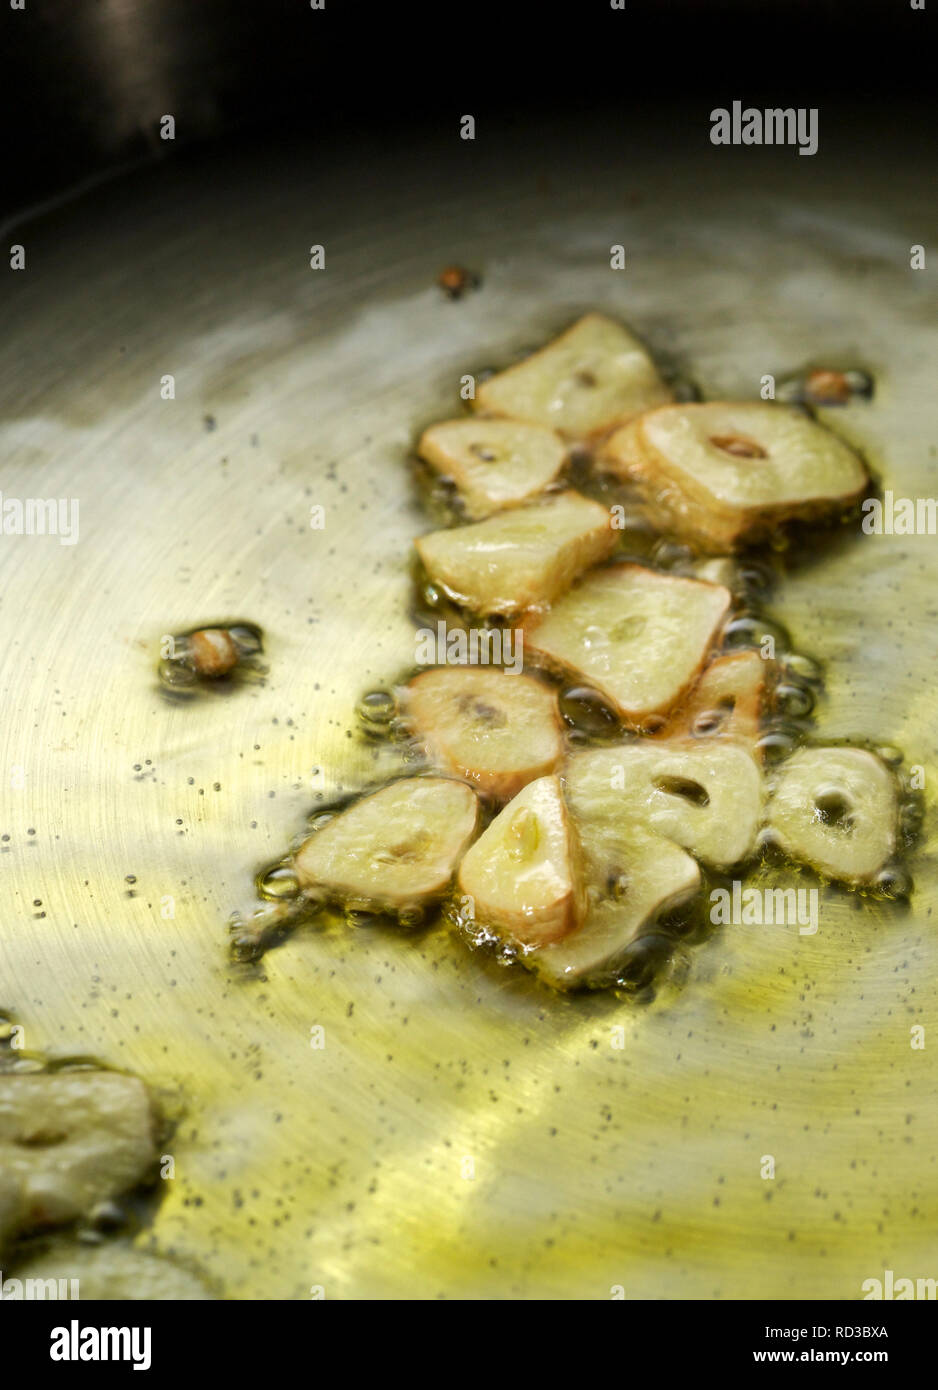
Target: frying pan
[(462, 1131)]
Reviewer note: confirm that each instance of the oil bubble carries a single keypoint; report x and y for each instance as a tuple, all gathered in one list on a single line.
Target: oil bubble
[(893, 882), (587, 711), (175, 676), (669, 554), (776, 744), (278, 882), (751, 630), (803, 667), (796, 701), (642, 960), (247, 639), (361, 914), (377, 707), (911, 816)]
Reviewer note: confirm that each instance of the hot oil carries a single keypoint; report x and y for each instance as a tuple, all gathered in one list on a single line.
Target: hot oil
[(796, 685), (597, 1167)]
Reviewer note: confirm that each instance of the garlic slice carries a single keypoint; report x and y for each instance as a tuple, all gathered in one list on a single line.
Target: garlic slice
[(836, 809), (396, 848), (639, 637), (521, 558), (589, 378), (497, 730)]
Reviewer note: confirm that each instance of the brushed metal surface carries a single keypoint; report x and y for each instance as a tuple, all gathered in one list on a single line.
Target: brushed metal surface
[(343, 1167)]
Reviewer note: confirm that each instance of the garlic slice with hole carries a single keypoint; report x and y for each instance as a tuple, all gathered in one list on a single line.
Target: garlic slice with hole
[(836, 809), (722, 472)]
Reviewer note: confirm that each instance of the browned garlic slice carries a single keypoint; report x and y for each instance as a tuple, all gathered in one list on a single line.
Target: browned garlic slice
[(523, 874), (497, 730), (724, 472)]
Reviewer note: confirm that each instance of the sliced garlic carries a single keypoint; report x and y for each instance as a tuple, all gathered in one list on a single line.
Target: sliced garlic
[(706, 797), (637, 636), (521, 558), (726, 703), (493, 463), (722, 473), (68, 1140), (497, 730), (593, 375), (395, 848), (632, 880), (836, 809), (522, 874)]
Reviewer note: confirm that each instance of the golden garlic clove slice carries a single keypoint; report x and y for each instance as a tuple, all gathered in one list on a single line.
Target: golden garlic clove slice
[(521, 558), (493, 463), (496, 729)]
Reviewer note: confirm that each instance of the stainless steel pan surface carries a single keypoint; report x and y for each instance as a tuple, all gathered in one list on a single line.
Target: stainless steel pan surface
[(462, 1132)]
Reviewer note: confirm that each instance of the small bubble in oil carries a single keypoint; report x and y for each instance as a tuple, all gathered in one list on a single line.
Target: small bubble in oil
[(777, 744), (669, 554), (107, 1217), (588, 712), (361, 915), (750, 630), (279, 881), (803, 667), (797, 701), (176, 676), (911, 815), (757, 578), (643, 959), (889, 754), (245, 947), (893, 882), (378, 707)]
